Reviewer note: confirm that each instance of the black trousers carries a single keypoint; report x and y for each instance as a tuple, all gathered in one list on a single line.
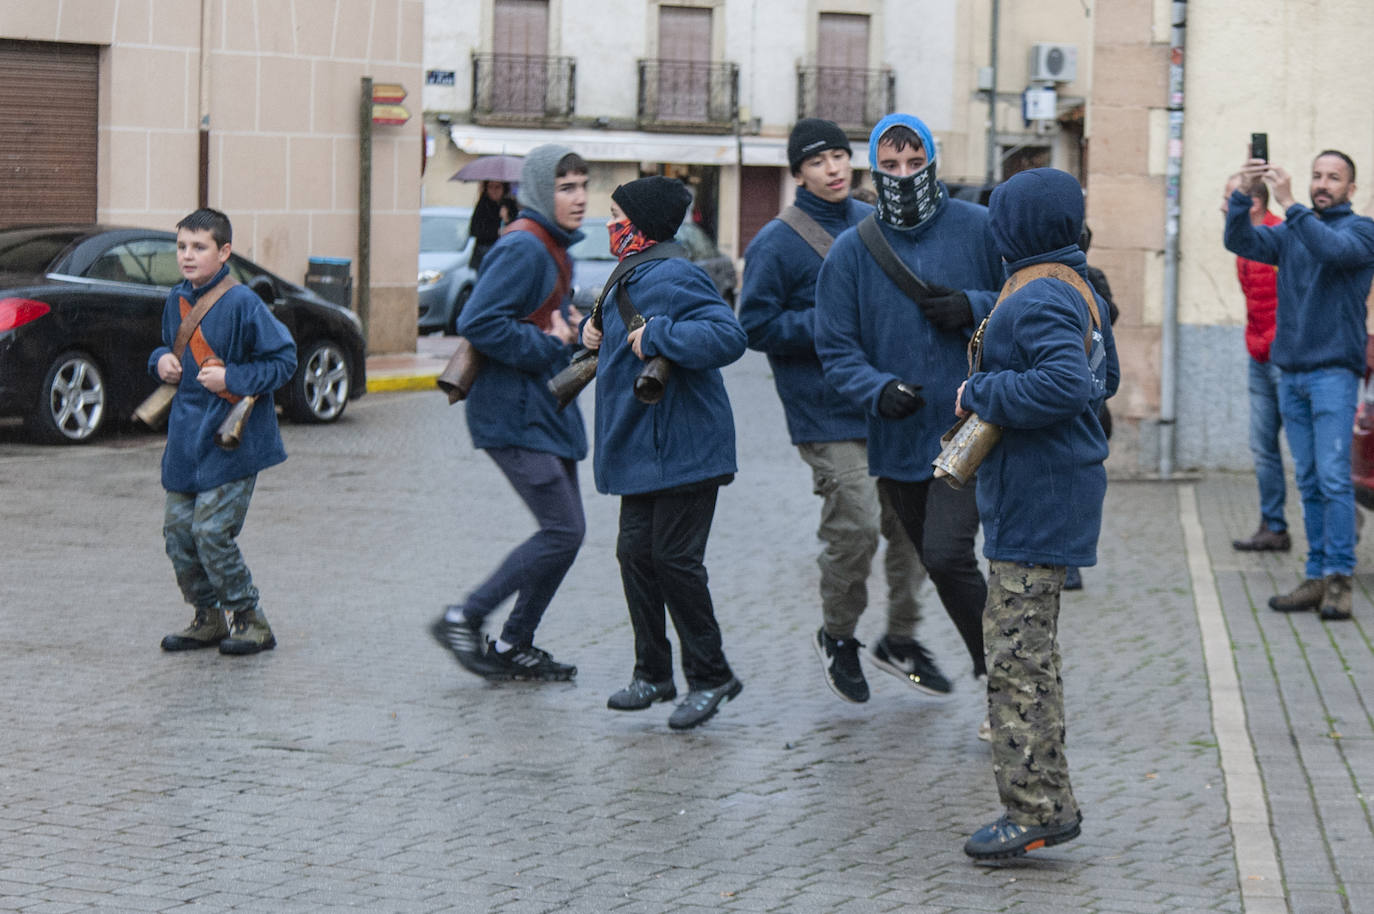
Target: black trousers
[(943, 522), (661, 549)]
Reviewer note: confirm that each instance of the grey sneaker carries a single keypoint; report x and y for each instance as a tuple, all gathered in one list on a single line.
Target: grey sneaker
[(206, 630), (640, 694), (701, 705), (908, 660), (840, 661), (248, 633)]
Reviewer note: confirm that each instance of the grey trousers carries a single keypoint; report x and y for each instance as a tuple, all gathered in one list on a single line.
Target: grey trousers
[(853, 514), (200, 531)]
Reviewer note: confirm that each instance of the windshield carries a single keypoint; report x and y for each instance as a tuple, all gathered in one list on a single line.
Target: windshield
[(27, 253), (596, 245), (443, 233)]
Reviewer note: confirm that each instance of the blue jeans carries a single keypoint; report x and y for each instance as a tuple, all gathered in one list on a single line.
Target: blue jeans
[(1265, 423), (547, 484), (200, 530), (1319, 413)]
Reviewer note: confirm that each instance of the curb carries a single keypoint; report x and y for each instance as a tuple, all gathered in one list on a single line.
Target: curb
[(393, 383)]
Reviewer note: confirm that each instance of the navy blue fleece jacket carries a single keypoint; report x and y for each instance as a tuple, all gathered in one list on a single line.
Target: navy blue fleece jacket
[(1325, 261), (509, 405), (259, 356), (689, 435), (1040, 490), (778, 312), (868, 332)]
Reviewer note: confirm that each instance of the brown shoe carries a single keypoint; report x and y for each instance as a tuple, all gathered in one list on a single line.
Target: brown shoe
[(1336, 601), (1307, 597), (1264, 540), (206, 630)]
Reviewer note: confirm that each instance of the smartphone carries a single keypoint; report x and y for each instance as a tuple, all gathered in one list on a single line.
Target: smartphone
[(1259, 146)]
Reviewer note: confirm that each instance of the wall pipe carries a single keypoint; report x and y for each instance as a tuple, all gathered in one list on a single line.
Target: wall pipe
[(990, 173), (1168, 349)]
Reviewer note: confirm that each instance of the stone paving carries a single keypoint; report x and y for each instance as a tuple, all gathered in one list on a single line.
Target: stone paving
[(357, 766)]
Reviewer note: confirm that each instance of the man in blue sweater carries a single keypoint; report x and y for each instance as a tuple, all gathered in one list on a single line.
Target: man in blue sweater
[(519, 319), (900, 357), (1047, 363), (1325, 257), (778, 310)]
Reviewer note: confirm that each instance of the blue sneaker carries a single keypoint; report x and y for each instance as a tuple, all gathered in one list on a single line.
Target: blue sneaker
[(1004, 838)]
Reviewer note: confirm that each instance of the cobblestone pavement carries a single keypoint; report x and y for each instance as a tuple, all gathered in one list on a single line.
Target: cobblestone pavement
[(358, 766)]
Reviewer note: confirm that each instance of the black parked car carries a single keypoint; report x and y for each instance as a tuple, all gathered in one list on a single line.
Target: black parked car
[(81, 311)]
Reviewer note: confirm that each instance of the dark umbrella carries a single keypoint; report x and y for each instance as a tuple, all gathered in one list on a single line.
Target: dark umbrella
[(491, 168)]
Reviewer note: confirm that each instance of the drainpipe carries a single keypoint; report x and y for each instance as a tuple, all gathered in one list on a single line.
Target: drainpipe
[(1168, 348), (990, 173), (203, 112)]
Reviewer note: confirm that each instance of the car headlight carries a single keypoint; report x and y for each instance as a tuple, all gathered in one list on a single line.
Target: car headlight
[(430, 277)]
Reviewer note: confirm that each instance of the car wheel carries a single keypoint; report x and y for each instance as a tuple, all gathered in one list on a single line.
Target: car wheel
[(463, 295), (320, 388), (72, 402)]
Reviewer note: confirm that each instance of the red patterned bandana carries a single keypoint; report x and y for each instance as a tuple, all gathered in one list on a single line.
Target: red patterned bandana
[(626, 239)]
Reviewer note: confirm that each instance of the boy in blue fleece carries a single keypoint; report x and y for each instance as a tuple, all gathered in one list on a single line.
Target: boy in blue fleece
[(1325, 257), (239, 349), (778, 312), (667, 460), (901, 360), (518, 318), (1047, 366)]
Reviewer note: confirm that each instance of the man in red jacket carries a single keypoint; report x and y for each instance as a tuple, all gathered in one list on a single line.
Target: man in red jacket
[(1259, 282)]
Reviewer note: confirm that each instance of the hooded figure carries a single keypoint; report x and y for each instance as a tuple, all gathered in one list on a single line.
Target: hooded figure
[(1047, 365)]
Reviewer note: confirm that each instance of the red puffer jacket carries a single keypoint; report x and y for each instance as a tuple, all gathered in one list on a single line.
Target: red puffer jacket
[(1259, 282)]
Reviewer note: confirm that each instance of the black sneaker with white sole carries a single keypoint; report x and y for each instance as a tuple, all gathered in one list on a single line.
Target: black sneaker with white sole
[(527, 664), (464, 639), (908, 660), (840, 661)]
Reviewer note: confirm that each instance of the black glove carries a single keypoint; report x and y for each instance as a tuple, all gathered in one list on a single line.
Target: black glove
[(947, 309), (899, 400)]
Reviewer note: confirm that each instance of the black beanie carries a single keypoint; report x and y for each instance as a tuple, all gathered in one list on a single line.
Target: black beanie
[(655, 205), (813, 135)]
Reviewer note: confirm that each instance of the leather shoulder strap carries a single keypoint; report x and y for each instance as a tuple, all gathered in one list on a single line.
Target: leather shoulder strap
[(799, 221), (191, 321), (1029, 274), (562, 260), (661, 251), (872, 237)]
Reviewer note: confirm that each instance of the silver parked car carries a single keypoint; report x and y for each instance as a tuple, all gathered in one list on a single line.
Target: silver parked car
[(446, 279)]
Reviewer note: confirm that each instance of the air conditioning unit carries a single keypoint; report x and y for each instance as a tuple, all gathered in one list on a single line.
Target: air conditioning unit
[(1054, 62)]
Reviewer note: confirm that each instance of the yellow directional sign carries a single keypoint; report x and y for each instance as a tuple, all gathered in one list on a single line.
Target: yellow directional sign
[(392, 115), (388, 93)]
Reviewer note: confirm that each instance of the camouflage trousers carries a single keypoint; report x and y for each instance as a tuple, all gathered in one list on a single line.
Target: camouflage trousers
[(1026, 693), (199, 529)]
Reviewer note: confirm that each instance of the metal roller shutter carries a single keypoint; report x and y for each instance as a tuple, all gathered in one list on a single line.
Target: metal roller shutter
[(48, 132)]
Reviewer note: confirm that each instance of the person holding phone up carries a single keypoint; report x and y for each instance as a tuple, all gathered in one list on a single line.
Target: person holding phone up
[(1325, 256)]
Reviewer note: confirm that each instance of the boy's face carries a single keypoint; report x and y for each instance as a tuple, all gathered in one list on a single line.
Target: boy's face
[(569, 201), (900, 163), (826, 174), (198, 255)]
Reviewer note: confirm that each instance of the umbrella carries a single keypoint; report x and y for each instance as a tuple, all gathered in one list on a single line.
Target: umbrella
[(491, 168)]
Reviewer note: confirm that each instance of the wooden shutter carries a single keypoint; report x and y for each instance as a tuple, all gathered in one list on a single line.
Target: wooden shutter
[(49, 121), (684, 52), (520, 40), (759, 199), (842, 61)]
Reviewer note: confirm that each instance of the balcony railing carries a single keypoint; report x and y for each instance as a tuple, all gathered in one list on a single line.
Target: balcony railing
[(853, 98), (688, 95), (523, 89)]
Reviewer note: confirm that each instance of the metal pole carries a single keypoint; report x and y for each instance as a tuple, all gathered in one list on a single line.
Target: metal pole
[(1168, 342), (991, 172), (365, 204)]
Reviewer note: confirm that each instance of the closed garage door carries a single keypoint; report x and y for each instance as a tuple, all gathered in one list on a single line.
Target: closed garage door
[(48, 132)]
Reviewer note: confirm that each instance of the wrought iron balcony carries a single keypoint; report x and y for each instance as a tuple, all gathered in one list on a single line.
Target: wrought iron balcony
[(523, 89), (689, 96), (853, 98)]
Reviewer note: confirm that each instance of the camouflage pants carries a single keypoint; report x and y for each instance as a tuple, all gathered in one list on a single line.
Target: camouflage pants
[(199, 529), (853, 512), (1026, 694)]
